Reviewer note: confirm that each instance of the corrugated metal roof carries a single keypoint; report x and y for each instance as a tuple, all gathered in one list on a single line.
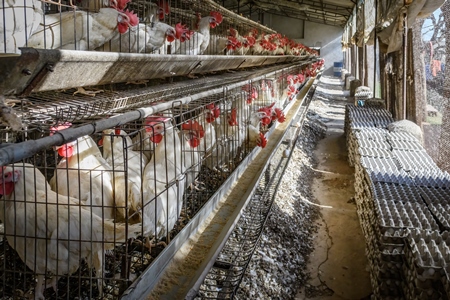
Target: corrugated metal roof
[(330, 12)]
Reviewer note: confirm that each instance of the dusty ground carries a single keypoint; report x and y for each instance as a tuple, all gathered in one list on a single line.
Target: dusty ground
[(337, 265), (312, 246)]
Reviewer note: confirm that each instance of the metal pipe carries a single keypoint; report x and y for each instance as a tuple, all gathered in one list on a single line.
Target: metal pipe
[(18, 151), (405, 57)]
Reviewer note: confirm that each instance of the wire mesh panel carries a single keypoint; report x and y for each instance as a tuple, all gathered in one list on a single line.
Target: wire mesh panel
[(61, 225), (88, 215), (137, 26)]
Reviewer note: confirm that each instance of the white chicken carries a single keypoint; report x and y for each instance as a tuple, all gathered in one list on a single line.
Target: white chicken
[(147, 38), (211, 115), (217, 45), (199, 41), (80, 30), (163, 181), (142, 143), (193, 133), (183, 34), (237, 43), (128, 166), (46, 228), (254, 135), (85, 175), (19, 19), (227, 138)]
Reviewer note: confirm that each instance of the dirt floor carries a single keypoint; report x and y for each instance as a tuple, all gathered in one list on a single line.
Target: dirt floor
[(338, 265)]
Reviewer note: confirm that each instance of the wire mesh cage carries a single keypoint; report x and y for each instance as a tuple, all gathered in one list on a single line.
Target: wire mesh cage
[(137, 26), (105, 189)]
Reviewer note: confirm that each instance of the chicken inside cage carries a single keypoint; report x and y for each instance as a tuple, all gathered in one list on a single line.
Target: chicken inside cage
[(136, 26), (86, 217)]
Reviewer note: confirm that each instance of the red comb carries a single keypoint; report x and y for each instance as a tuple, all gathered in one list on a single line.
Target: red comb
[(152, 120), (179, 30), (262, 141), (193, 126), (59, 127), (134, 20), (217, 16), (232, 119), (119, 4), (165, 6), (280, 115)]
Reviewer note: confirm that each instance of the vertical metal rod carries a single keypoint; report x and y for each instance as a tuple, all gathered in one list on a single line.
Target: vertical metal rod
[(239, 6), (405, 48), (375, 51)]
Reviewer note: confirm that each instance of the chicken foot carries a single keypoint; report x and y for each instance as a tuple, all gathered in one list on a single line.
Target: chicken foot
[(13, 102), (92, 93), (150, 243), (197, 185)]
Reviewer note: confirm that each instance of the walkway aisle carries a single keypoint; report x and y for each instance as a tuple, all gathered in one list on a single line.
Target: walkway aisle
[(338, 265)]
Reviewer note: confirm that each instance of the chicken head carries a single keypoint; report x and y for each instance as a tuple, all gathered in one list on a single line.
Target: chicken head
[(155, 127), (163, 9), (212, 112), (65, 150), (249, 41), (232, 117), (266, 114), (215, 19), (194, 132), (125, 20), (182, 33), (8, 178), (278, 114)]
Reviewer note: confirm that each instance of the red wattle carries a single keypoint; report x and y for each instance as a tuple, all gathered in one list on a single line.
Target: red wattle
[(8, 188), (156, 138), (65, 151), (194, 142)]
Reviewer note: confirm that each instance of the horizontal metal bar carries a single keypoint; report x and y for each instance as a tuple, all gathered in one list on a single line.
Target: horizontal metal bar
[(16, 152), (71, 68)]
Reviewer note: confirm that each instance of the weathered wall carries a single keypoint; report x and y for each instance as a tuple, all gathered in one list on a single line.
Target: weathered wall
[(329, 37)]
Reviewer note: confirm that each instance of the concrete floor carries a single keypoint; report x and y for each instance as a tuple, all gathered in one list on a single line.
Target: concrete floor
[(338, 265)]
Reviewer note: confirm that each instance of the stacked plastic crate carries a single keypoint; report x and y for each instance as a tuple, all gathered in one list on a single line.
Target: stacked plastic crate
[(394, 183)]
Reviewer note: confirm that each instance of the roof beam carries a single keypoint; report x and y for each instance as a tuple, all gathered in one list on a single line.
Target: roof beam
[(329, 8), (328, 13), (298, 16)]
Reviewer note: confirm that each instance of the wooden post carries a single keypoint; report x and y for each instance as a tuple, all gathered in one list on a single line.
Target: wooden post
[(405, 62)]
